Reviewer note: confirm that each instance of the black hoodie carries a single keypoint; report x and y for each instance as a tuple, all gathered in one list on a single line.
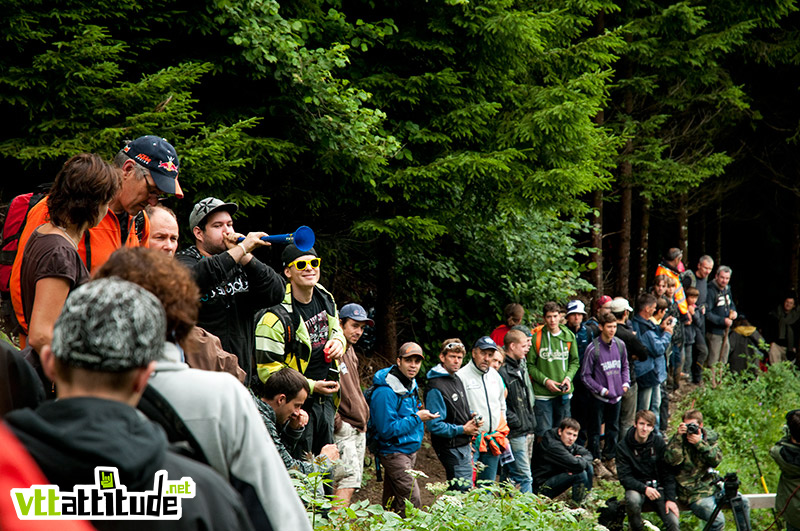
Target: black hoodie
[(551, 457), (639, 462), (68, 438)]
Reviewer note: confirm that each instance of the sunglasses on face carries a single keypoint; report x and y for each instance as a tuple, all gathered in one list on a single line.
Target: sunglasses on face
[(302, 265)]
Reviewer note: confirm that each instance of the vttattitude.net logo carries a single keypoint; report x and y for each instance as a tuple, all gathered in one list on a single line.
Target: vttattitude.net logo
[(107, 499)]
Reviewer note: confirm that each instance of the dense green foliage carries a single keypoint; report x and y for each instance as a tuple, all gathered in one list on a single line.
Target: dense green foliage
[(442, 150), (495, 507)]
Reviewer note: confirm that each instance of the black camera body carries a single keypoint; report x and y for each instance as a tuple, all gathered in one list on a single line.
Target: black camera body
[(692, 429)]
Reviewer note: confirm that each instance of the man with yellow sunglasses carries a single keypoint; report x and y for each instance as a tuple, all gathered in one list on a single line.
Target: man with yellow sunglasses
[(303, 332)]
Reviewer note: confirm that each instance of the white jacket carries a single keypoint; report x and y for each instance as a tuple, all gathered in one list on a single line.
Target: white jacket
[(221, 415), (485, 394)]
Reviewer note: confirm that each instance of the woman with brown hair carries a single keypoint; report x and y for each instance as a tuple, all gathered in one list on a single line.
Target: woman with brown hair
[(51, 266)]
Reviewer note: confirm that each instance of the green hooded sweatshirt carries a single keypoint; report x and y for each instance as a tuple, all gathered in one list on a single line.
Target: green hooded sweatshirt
[(552, 358)]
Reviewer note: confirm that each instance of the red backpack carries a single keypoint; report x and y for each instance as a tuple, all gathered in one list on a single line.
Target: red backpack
[(14, 224)]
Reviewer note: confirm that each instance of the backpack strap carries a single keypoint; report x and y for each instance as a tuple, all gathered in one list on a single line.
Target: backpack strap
[(138, 225), (159, 410), (87, 242), (537, 332)]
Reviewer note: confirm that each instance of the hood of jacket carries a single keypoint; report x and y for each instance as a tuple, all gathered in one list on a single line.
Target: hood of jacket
[(386, 378), (69, 437), (745, 331), (787, 455), (439, 372)]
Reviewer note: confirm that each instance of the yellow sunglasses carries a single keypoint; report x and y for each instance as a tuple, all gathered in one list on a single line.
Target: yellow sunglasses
[(302, 265)]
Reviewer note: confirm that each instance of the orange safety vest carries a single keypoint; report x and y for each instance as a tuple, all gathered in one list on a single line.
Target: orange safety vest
[(680, 294), (95, 247)]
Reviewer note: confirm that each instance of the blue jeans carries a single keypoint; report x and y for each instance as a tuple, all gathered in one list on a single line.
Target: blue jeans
[(519, 470), (581, 483), (704, 507), (489, 473), (550, 413), (650, 398), (457, 463)]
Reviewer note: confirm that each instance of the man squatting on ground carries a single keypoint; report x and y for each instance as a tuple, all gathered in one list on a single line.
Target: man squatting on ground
[(645, 475), (350, 422), (398, 419), (453, 430), (282, 397), (692, 452), (486, 397), (559, 463)]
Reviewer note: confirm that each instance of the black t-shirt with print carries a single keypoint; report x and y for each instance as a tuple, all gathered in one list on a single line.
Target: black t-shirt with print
[(316, 319)]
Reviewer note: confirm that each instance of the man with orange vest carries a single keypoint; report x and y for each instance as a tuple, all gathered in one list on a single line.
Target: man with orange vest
[(670, 267), (149, 167)]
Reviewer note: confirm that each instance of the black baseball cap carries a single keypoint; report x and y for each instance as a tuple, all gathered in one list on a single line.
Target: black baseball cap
[(158, 156)]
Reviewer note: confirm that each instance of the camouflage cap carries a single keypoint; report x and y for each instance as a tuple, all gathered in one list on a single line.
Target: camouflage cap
[(110, 325)]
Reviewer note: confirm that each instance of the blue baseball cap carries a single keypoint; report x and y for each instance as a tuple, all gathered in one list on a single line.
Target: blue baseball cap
[(356, 312), (485, 343)]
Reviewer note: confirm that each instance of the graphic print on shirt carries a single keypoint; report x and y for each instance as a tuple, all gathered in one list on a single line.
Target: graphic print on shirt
[(317, 326)]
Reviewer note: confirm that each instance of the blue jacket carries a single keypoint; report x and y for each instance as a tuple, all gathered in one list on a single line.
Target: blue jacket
[(393, 413), (656, 340), (583, 337)]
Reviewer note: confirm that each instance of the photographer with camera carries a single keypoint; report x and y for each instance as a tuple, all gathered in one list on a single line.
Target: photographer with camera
[(645, 475), (693, 451)]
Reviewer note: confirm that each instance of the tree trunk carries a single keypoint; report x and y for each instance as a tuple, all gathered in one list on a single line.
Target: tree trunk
[(718, 250), (597, 197), (623, 260), (385, 319), (597, 243), (644, 243), (626, 178), (795, 262), (683, 225), (703, 234)]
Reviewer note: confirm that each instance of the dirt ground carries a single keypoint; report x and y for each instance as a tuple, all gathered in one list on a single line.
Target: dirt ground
[(426, 462)]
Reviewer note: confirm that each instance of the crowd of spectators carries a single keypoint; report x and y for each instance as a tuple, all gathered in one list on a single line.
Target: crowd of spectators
[(206, 362)]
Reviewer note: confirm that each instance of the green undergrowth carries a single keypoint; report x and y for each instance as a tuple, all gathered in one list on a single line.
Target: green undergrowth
[(496, 507), (748, 410)]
